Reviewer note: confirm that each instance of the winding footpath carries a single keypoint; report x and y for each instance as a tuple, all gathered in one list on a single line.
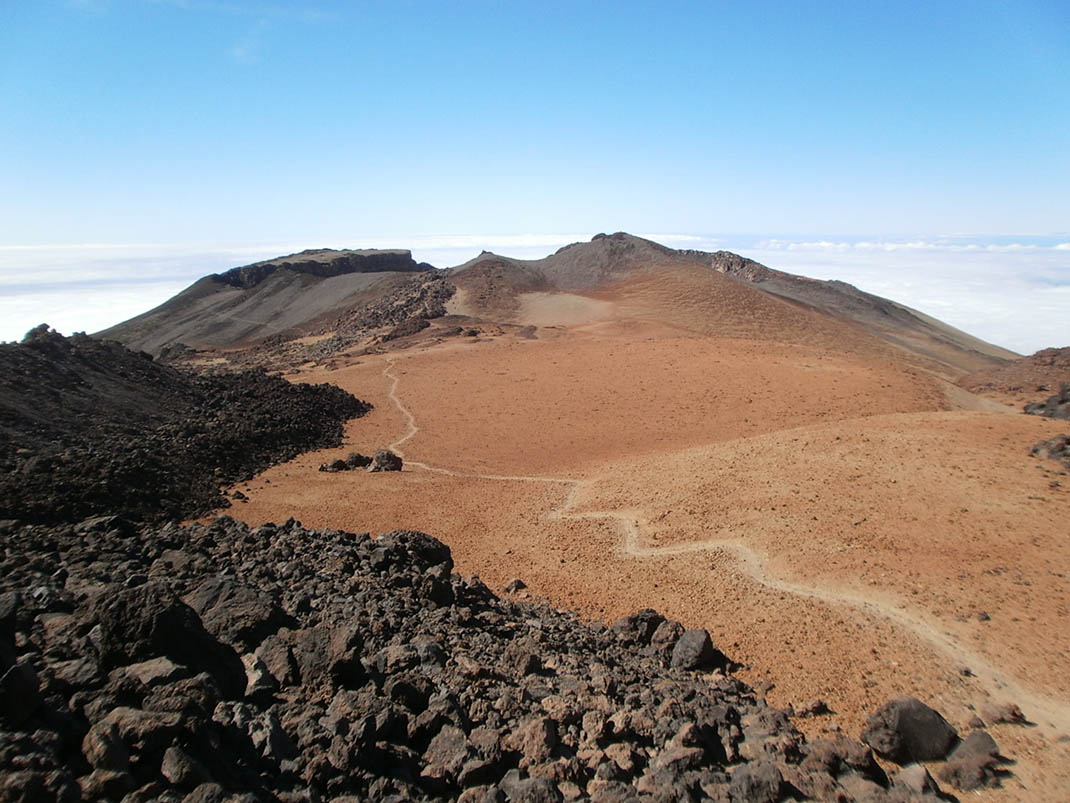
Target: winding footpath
[(1055, 712)]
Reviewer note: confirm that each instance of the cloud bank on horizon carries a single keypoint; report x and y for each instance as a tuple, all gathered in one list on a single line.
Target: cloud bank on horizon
[(1011, 291)]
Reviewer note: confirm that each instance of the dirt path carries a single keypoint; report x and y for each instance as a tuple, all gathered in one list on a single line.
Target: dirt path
[(993, 681)]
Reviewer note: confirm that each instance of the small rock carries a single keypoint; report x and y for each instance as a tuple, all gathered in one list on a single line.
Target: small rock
[(156, 671), (915, 779), (19, 695), (815, 708), (535, 739), (182, 769), (979, 743), (638, 628), (106, 785), (694, 650), (1002, 713), (758, 782), (104, 749)]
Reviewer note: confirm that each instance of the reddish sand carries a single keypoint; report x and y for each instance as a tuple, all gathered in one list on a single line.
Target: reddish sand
[(824, 513)]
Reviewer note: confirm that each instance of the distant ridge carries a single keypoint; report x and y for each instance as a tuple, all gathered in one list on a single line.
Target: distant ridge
[(494, 282), (354, 295), (325, 263), (246, 304)]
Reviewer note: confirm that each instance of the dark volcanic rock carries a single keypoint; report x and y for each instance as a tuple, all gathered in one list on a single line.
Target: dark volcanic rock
[(974, 763), (906, 730), (385, 460), (1056, 406), (694, 650), (88, 427), (385, 677), (407, 327), (1057, 448), (150, 620), (353, 461), (324, 263), (238, 615)]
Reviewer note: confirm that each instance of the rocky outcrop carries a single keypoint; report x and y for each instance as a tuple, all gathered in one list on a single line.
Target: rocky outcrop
[(1055, 406), (324, 263), (352, 462), (1040, 372), (88, 428), (1057, 448), (385, 460), (419, 298), (211, 661)]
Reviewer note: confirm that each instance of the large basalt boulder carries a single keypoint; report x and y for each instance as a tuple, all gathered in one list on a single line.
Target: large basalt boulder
[(237, 614), (906, 730), (148, 621)]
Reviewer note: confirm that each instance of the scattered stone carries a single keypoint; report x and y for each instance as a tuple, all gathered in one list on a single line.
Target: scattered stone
[(916, 780), (156, 671), (1002, 713), (973, 764), (148, 621), (1057, 448), (355, 460), (104, 749), (515, 586), (815, 708), (639, 628)]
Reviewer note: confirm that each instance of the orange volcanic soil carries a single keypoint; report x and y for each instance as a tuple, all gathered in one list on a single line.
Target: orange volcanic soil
[(832, 515)]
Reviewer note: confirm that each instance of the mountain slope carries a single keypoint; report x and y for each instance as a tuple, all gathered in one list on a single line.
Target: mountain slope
[(250, 303), (894, 322), (350, 296), (88, 427), (687, 288)]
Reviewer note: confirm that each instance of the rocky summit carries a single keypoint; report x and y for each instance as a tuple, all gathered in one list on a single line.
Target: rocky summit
[(222, 662)]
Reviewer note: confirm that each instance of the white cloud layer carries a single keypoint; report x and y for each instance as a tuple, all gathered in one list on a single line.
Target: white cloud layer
[(1014, 292)]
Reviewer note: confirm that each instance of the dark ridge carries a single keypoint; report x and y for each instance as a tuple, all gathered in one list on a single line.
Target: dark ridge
[(89, 427), (324, 263)]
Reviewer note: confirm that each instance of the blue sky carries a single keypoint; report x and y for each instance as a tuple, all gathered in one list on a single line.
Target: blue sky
[(199, 124)]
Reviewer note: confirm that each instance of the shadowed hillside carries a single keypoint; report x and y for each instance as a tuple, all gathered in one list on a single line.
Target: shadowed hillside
[(247, 304)]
